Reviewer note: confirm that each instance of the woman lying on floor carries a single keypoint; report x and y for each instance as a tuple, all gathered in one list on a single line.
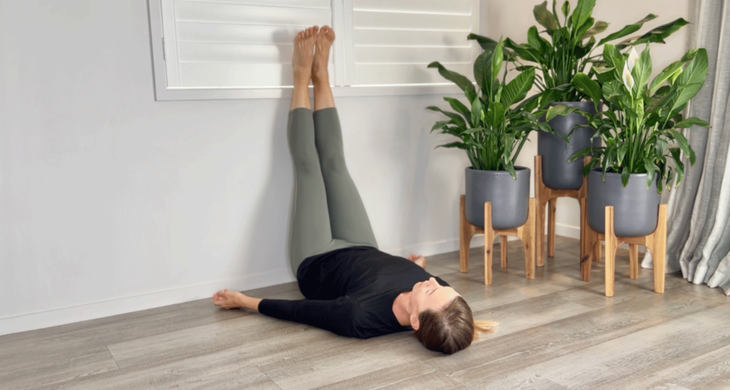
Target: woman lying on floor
[(351, 287)]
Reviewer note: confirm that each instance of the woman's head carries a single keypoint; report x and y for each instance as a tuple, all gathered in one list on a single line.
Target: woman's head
[(443, 320)]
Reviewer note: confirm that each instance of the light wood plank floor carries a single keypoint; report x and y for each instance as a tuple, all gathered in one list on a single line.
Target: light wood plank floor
[(556, 332)]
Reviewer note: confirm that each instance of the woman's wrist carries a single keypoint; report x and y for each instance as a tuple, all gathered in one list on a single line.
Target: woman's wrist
[(250, 302)]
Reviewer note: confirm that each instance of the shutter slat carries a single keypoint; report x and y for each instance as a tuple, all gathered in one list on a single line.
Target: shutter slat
[(236, 75), (408, 21), (250, 14), (411, 38), (325, 4), (381, 74), (239, 33), (223, 52), (418, 55), (462, 7)]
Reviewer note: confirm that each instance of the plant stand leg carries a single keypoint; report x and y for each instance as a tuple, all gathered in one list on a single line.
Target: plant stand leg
[(488, 242), (466, 232), (588, 241), (503, 250), (611, 246), (526, 234), (633, 261), (657, 244), (552, 208), (541, 194), (583, 229)]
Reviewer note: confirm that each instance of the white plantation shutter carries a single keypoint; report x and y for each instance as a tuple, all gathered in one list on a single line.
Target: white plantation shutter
[(223, 49), (235, 43), (393, 40)]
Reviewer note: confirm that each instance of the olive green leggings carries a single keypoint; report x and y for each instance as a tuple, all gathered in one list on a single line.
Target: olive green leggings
[(328, 211)]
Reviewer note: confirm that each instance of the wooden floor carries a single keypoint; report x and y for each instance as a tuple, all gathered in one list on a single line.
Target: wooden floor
[(555, 332)]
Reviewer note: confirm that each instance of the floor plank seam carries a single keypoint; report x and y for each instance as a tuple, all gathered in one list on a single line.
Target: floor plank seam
[(269, 378), (113, 358)]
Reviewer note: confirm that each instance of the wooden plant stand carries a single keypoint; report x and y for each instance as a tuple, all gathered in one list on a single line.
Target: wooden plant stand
[(525, 233), (545, 195), (656, 242)]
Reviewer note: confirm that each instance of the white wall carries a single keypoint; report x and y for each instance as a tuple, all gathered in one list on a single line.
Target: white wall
[(111, 202), (512, 18)]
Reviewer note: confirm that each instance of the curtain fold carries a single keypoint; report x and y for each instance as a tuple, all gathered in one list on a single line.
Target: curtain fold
[(698, 238)]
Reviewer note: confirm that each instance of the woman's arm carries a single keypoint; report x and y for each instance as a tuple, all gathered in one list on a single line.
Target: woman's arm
[(334, 315)]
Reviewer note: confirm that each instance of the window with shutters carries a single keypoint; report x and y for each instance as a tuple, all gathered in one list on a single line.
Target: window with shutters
[(229, 49)]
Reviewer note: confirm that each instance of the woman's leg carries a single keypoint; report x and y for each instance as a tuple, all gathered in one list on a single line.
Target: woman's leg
[(348, 219), (311, 231)]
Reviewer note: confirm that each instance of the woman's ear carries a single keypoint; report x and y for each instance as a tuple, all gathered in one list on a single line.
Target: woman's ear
[(414, 321)]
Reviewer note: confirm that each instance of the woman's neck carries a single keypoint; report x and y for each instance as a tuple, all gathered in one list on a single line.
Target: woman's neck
[(401, 309)]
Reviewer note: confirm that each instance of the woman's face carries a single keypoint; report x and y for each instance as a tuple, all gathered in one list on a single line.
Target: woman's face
[(429, 295)]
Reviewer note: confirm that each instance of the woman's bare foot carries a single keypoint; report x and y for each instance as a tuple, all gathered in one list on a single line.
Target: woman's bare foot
[(322, 54), (228, 299), (304, 54), (418, 259)]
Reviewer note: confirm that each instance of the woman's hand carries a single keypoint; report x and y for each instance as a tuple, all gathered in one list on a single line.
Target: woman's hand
[(418, 259), (234, 299), (228, 299)]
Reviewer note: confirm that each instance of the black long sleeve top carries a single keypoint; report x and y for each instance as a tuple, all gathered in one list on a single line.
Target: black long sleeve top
[(350, 292)]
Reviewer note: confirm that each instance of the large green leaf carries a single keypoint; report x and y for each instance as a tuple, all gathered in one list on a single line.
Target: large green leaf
[(612, 92), (603, 74), (597, 28), (526, 52), (480, 68), (497, 60), (691, 80), (664, 75), (684, 145), (517, 89), (456, 78), (486, 43), (687, 123), (589, 87), (582, 13), (678, 164), (546, 18), (476, 112), (642, 70), (440, 125), (560, 109), (456, 118), (540, 44), (658, 34), (614, 59), (629, 29), (495, 114), (456, 144), (459, 107)]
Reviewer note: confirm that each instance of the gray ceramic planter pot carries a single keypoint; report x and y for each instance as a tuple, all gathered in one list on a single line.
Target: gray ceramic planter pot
[(635, 207), (557, 172), (509, 196)]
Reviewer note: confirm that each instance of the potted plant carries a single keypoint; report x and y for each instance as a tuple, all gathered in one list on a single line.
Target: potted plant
[(640, 129), (559, 59), (492, 133)]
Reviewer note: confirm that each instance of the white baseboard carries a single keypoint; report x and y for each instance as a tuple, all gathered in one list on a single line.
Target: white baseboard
[(111, 307), (436, 247), (567, 230)]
